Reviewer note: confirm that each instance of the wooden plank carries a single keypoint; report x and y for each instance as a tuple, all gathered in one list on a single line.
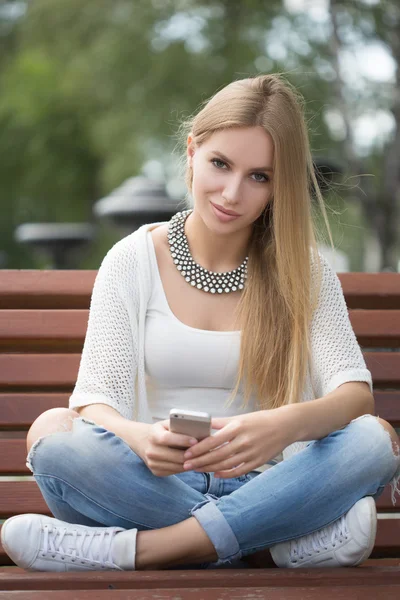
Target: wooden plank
[(43, 330), (52, 329), (390, 592), (61, 370), (363, 575), (19, 410), (375, 328), (384, 367), (12, 574), (34, 288), (20, 497), (387, 406), (371, 290), (40, 371), (387, 542)]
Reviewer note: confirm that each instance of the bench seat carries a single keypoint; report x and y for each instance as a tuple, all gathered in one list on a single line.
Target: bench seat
[(43, 320)]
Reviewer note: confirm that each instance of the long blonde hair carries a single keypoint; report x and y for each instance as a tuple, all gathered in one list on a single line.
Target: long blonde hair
[(283, 283)]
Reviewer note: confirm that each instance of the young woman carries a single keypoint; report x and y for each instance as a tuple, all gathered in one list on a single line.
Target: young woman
[(229, 295)]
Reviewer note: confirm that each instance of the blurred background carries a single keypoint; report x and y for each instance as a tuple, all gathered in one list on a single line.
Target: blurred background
[(92, 93)]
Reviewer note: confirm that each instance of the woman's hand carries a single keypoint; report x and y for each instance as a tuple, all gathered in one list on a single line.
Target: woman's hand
[(162, 450), (242, 443)]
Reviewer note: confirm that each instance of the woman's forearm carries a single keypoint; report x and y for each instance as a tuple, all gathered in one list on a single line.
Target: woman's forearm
[(131, 432), (318, 418)]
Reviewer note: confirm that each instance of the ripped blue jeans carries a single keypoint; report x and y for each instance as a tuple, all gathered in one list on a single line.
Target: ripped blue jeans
[(92, 477)]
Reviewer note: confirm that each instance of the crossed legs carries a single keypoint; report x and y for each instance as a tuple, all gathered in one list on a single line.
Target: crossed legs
[(183, 542)]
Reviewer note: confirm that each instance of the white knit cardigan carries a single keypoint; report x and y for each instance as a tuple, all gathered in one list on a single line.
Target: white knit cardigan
[(112, 367)]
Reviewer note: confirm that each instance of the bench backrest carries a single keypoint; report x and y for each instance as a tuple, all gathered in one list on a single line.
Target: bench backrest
[(43, 320)]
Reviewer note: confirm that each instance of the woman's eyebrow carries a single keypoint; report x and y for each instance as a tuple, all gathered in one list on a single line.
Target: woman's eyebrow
[(228, 160)]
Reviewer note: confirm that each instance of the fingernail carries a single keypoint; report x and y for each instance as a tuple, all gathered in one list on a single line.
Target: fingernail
[(192, 442), (188, 455), (187, 465)]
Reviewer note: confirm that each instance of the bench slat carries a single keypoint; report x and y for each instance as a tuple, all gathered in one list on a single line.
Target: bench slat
[(61, 370), (384, 367), (32, 288), (43, 330), (371, 290), (344, 592), (19, 410), (50, 330), (39, 370), (19, 497), (376, 328), (384, 569)]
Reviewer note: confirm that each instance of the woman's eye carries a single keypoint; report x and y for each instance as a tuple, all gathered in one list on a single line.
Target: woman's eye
[(216, 160), (266, 178)]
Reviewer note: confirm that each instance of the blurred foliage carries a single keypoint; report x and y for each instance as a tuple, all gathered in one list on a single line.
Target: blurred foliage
[(92, 90)]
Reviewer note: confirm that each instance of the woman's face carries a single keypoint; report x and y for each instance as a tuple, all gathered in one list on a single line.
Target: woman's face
[(232, 169)]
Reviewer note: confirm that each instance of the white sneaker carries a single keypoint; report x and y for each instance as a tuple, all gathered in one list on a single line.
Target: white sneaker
[(345, 543), (41, 543)]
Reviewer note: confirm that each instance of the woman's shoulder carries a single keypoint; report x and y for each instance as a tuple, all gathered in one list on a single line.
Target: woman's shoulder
[(132, 246)]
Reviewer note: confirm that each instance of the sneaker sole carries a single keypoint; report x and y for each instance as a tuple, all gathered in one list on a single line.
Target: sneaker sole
[(373, 520)]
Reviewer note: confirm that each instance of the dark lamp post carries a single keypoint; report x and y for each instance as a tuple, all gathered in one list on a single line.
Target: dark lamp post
[(57, 241), (137, 201)]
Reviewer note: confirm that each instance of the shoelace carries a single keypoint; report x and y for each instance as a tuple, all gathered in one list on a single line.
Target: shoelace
[(76, 545), (319, 540)]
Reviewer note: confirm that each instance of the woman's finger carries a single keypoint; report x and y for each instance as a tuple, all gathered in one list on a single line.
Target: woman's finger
[(164, 455), (229, 463), (165, 465), (213, 457), (174, 440), (222, 437), (242, 469)]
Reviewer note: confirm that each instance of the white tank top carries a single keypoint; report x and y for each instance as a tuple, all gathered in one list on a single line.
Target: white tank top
[(187, 368)]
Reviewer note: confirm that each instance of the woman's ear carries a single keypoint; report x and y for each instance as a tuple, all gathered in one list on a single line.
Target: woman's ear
[(190, 149)]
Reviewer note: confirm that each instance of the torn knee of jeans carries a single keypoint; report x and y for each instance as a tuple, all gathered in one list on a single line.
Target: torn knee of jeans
[(395, 486), (396, 449), (395, 445), (64, 426), (395, 481), (32, 451)]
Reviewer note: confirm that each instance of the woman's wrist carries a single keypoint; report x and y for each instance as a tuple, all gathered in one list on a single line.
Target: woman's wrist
[(287, 421)]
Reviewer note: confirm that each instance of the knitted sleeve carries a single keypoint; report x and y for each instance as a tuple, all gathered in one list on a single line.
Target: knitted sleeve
[(336, 355), (108, 366)]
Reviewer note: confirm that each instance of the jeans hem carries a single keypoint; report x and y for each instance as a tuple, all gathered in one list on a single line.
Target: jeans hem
[(218, 530)]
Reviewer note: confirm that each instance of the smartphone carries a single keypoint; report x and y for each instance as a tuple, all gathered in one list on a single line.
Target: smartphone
[(190, 422)]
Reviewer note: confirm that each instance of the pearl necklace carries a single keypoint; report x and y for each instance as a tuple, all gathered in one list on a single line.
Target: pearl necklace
[(195, 274)]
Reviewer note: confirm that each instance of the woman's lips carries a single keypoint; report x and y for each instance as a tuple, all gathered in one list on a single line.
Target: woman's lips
[(223, 216)]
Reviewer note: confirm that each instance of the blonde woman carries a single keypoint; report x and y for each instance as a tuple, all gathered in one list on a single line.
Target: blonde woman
[(230, 295)]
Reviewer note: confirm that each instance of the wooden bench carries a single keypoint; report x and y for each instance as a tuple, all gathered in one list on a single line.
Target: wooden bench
[(43, 319)]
